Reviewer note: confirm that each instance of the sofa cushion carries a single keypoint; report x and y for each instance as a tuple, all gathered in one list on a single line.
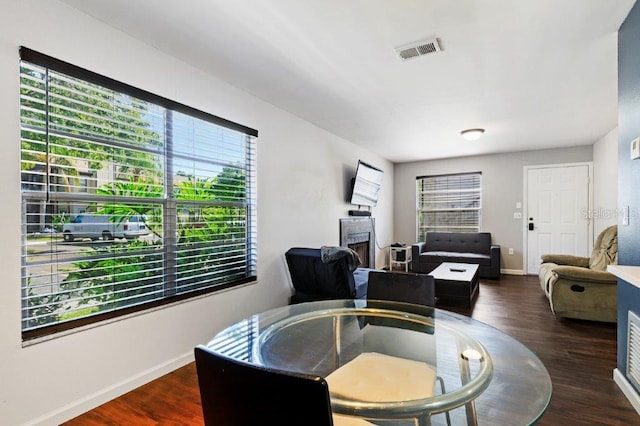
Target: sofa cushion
[(446, 256), (459, 242)]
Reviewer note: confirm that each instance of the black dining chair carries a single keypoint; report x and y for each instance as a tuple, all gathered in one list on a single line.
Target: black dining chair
[(418, 289), (237, 393)]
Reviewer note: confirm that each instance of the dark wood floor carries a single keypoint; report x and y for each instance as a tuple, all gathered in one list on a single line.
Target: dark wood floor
[(579, 355)]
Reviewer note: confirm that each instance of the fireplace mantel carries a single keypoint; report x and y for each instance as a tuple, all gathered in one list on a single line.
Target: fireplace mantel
[(360, 230)]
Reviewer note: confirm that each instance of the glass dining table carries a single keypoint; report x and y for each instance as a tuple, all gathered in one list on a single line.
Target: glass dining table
[(396, 363)]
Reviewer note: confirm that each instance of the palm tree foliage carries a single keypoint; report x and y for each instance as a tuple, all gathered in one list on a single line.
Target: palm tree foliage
[(69, 124)]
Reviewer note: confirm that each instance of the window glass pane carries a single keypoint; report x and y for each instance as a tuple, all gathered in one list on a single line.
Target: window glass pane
[(212, 246), (449, 203)]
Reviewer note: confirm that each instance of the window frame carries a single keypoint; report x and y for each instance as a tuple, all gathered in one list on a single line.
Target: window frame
[(48, 62)]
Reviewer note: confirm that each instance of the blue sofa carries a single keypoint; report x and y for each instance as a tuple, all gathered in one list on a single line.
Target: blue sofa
[(457, 247)]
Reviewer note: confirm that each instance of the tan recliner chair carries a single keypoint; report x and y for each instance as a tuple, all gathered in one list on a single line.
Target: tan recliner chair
[(581, 287)]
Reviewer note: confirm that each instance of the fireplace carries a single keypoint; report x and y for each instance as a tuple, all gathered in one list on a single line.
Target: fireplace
[(363, 251), (359, 235)]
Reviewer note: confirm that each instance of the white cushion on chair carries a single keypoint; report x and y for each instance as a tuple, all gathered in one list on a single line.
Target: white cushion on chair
[(376, 377), (340, 420)]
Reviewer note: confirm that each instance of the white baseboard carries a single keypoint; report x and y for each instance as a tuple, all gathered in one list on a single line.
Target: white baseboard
[(627, 389), (512, 271), (92, 401)]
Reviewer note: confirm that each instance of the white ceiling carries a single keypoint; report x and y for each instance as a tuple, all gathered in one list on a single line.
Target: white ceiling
[(535, 74)]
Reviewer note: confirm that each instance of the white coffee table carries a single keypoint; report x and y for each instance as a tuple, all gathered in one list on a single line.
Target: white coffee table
[(456, 282)]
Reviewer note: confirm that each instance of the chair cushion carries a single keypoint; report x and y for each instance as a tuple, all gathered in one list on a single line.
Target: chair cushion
[(565, 259), (605, 250), (376, 377), (575, 273), (341, 420)]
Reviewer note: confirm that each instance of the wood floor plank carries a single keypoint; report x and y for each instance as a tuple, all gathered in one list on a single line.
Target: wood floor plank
[(579, 355)]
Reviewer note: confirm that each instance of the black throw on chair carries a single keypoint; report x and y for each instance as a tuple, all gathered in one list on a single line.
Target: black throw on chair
[(418, 289), (235, 393)]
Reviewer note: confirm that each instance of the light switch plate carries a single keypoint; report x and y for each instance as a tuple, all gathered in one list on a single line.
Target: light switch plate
[(625, 216), (635, 148)]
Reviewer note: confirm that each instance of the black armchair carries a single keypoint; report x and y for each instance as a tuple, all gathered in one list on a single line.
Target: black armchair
[(314, 279)]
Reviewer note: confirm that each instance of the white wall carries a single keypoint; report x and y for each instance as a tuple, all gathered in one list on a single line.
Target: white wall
[(605, 182), (302, 182), (502, 188)]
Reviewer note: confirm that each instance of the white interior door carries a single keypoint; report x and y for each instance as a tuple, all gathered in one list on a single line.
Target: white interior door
[(558, 219)]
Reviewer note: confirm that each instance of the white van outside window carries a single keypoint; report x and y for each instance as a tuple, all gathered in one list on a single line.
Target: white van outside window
[(101, 226)]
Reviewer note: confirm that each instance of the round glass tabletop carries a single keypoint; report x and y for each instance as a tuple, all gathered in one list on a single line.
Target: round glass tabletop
[(388, 360)]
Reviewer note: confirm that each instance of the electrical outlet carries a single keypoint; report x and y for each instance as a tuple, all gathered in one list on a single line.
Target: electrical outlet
[(517, 215), (510, 250)]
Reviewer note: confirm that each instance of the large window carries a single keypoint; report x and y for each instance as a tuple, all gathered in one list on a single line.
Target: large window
[(129, 200), (449, 203)]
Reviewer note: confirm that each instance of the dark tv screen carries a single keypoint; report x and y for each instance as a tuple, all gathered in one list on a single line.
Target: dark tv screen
[(366, 185)]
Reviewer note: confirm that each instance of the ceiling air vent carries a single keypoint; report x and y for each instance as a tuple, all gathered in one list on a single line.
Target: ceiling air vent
[(419, 48)]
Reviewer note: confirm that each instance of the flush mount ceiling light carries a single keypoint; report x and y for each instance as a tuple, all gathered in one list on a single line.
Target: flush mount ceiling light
[(472, 134)]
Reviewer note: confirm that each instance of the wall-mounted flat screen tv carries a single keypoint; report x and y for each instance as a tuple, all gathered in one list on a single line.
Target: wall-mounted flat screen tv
[(366, 185)]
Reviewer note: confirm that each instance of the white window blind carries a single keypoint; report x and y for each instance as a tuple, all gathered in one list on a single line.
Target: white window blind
[(129, 200), (450, 203)]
